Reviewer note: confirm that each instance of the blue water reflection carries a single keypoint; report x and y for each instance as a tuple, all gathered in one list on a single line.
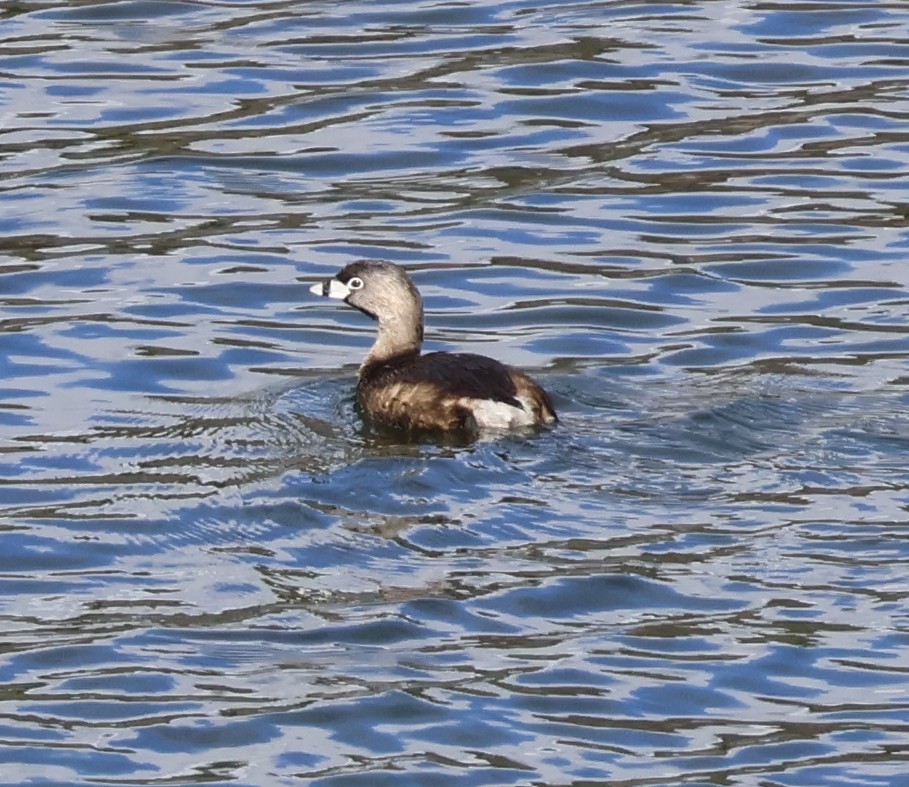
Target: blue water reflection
[(687, 219)]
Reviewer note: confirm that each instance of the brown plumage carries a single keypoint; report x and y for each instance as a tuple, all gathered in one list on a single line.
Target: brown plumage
[(399, 387)]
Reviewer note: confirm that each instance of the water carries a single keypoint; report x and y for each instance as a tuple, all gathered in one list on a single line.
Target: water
[(688, 220)]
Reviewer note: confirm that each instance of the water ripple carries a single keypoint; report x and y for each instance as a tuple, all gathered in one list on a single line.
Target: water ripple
[(688, 220)]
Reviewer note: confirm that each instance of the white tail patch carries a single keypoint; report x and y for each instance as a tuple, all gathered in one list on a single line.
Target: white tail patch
[(490, 414)]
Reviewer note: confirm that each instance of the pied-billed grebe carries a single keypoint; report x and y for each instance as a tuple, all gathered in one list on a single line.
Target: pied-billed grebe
[(440, 391)]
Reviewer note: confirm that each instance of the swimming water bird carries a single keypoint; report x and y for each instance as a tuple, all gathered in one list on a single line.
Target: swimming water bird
[(399, 387)]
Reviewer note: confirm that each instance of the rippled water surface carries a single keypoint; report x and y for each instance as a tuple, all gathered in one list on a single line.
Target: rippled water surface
[(689, 220)]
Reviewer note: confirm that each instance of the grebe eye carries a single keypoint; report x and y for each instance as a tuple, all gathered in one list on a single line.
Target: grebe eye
[(355, 283)]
